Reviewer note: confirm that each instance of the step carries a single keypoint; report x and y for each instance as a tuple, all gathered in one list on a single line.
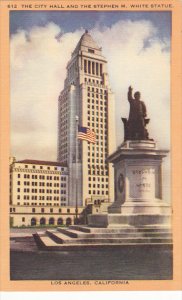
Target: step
[(78, 234), (123, 229), (61, 238), (70, 232), (58, 237), (43, 241), (118, 241), (46, 243)]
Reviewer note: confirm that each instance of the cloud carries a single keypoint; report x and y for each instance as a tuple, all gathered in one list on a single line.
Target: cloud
[(136, 56), (38, 64), (146, 68)]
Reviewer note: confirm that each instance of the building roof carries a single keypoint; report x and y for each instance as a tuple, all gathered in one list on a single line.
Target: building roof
[(42, 162), (86, 41)]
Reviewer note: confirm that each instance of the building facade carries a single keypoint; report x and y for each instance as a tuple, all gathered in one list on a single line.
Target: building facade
[(39, 194), (87, 94), (23, 215), (38, 183)]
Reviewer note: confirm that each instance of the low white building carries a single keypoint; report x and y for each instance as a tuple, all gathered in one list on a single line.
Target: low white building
[(39, 194)]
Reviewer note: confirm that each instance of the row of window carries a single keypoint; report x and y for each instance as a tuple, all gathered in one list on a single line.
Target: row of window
[(28, 176), (40, 191), (41, 167), (48, 204), (93, 81), (95, 126), (39, 183), (98, 186), (51, 221), (97, 96), (43, 210), (27, 197), (92, 67), (95, 102), (102, 114), (98, 179), (97, 154), (96, 148), (93, 172), (41, 204), (95, 192), (102, 167), (93, 89)]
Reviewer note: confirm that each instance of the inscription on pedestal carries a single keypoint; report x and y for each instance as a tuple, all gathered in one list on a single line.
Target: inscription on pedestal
[(141, 182)]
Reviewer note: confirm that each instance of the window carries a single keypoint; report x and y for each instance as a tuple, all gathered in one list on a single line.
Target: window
[(85, 66), (33, 210), (23, 219), (90, 50), (89, 67), (18, 175)]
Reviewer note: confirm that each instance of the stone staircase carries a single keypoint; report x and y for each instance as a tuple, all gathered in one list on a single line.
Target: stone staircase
[(84, 237)]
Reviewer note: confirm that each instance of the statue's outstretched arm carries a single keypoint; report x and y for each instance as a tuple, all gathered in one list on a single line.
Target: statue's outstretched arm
[(130, 91)]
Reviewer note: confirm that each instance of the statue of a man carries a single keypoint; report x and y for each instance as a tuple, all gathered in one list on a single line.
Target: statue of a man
[(135, 125)]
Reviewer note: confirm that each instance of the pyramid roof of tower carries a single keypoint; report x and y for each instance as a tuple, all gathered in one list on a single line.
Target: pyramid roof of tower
[(86, 40)]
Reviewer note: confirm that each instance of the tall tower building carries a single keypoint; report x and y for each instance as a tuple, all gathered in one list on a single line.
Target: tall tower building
[(87, 94)]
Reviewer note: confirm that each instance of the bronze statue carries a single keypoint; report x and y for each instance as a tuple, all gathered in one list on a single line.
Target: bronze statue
[(134, 127)]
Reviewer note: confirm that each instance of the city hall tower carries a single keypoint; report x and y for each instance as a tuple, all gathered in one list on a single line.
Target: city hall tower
[(87, 94)]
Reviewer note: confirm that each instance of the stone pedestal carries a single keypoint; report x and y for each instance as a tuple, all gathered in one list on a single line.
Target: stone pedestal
[(138, 187)]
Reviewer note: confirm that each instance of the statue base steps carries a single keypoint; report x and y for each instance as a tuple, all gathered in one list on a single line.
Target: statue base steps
[(85, 237)]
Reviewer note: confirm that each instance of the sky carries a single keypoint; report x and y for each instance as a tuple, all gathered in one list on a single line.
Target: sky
[(136, 46)]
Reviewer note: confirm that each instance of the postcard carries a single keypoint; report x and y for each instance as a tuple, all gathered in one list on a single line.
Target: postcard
[(91, 145)]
